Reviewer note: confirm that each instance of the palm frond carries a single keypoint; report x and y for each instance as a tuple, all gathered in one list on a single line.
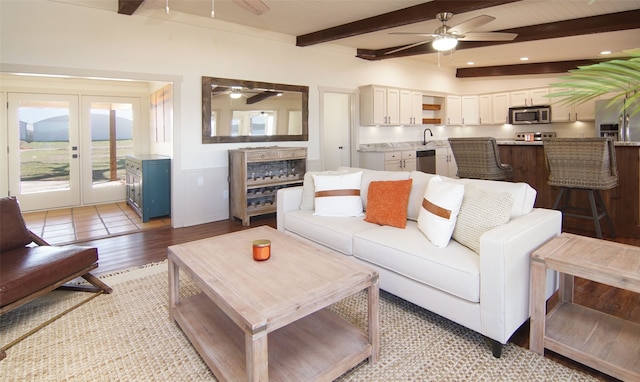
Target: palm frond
[(617, 79)]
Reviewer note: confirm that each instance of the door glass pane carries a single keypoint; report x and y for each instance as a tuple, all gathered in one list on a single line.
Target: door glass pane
[(249, 122), (44, 146), (111, 141)]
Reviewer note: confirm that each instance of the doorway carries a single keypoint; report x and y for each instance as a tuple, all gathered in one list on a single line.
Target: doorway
[(336, 127), (61, 155)]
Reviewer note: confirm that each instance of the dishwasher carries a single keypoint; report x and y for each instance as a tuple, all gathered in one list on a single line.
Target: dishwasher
[(426, 161)]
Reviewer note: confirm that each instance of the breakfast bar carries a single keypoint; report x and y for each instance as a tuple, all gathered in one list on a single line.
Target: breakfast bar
[(623, 201)]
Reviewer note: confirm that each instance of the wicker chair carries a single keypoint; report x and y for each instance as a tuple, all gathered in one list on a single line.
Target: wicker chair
[(587, 164), (478, 158)]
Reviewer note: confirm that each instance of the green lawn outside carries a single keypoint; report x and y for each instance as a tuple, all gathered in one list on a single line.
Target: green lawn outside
[(50, 160)]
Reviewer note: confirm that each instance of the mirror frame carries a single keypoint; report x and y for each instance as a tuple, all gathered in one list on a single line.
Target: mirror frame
[(206, 110)]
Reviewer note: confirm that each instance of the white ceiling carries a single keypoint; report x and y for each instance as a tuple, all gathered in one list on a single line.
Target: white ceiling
[(298, 17)]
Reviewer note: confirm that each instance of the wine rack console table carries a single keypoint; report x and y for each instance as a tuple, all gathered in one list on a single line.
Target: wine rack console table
[(256, 174)]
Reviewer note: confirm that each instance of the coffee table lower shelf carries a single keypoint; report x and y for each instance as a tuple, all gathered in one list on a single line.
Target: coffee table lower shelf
[(596, 339), (318, 347)]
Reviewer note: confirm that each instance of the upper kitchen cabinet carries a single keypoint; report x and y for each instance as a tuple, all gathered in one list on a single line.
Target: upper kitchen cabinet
[(410, 107), (530, 97), (500, 108), (462, 110), (454, 110), (561, 112), (484, 109), (585, 111), (379, 105), (470, 112)]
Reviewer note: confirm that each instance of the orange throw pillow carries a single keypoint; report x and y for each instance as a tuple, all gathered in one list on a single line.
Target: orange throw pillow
[(387, 202)]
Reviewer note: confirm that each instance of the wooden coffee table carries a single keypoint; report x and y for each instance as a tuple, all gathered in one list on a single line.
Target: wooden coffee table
[(259, 320), (601, 341)]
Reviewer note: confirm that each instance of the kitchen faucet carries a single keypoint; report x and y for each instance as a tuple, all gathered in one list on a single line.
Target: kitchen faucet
[(424, 135)]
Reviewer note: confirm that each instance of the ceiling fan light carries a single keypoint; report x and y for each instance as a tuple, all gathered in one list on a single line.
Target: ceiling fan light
[(444, 43), (235, 93)]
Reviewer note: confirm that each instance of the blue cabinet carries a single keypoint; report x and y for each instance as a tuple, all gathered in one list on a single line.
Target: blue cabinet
[(149, 185)]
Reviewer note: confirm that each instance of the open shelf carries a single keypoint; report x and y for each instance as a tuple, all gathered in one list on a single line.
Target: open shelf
[(321, 346), (596, 339)]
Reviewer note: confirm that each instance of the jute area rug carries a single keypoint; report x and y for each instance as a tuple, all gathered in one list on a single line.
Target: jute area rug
[(128, 336)]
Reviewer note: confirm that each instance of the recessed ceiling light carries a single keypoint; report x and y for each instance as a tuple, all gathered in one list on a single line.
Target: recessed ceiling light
[(470, 63), (524, 58), (605, 52)]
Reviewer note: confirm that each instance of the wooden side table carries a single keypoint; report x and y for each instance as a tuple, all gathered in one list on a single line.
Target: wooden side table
[(601, 341)]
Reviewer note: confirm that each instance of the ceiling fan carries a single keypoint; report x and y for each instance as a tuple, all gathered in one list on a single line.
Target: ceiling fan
[(446, 38)]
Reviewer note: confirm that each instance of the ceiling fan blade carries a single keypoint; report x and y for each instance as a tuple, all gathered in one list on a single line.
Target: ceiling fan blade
[(407, 47), (432, 35), (469, 25), (257, 7), (488, 36)]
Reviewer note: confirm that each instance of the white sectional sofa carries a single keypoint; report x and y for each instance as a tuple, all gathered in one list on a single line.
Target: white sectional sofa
[(487, 292)]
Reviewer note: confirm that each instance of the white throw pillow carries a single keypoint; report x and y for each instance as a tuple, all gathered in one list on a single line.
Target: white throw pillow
[(338, 195), (440, 207), (420, 181), (309, 189), (481, 211)]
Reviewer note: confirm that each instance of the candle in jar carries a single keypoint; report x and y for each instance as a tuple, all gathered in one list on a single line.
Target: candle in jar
[(261, 250)]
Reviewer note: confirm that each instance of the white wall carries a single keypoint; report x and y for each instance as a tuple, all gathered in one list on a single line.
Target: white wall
[(60, 38)]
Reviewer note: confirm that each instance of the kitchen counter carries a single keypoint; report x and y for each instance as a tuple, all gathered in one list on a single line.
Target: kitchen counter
[(443, 143), (506, 142), (402, 146)]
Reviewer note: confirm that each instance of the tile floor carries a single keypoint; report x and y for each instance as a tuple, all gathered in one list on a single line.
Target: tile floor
[(90, 222)]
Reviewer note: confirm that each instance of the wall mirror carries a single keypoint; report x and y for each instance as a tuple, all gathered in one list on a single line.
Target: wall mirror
[(250, 111)]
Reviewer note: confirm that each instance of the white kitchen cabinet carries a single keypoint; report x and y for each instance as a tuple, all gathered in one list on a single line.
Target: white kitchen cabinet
[(410, 107), (500, 108), (530, 97), (462, 110), (561, 112), (454, 110), (379, 105), (389, 160), (484, 109), (470, 110), (445, 162), (585, 111)]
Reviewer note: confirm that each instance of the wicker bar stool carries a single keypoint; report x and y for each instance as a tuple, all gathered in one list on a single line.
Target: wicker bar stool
[(478, 158), (587, 164)]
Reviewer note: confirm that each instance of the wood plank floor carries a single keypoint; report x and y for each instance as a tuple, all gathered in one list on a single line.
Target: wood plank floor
[(132, 250)]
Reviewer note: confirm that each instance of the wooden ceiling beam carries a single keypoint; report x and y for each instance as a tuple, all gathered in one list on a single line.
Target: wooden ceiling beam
[(261, 96), (406, 16), (575, 27), (128, 7), (521, 69)]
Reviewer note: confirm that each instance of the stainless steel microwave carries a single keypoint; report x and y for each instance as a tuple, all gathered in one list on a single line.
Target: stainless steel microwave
[(529, 115)]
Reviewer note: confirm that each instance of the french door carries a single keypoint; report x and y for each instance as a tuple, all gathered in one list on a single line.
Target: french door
[(108, 125), (66, 150), (44, 168)]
